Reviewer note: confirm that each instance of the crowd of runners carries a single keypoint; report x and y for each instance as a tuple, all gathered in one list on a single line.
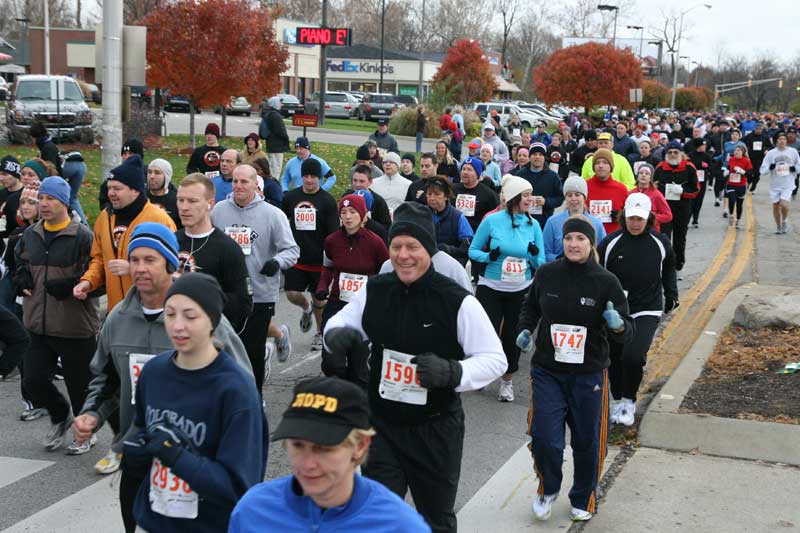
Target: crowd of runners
[(565, 246)]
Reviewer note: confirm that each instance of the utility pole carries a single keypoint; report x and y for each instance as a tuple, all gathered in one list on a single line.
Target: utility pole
[(383, 24), (46, 37), (677, 53), (421, 54), (112, 84), (615, 9), (323, 67)]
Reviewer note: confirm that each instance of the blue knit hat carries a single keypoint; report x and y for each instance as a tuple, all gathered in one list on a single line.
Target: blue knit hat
[(474, 162), (368, 198), (56, 187), (130, 172), (158, 237), (674, 144)]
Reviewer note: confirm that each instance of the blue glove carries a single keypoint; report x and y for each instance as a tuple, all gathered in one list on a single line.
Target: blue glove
[(612, 317), (524, 341)]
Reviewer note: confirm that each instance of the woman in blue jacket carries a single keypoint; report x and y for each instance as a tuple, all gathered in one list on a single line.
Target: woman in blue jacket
[(515, 247), (202, 436)]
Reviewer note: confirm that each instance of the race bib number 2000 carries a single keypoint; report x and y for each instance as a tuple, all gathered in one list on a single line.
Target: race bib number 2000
[(170, 495), (305, 218)]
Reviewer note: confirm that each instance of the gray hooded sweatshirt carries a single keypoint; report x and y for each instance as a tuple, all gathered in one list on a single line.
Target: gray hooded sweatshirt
[(271, 238), (125, 332)]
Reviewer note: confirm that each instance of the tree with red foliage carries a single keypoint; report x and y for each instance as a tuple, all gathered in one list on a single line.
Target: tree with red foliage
[(466, 73), (212, 50), (588, 75)]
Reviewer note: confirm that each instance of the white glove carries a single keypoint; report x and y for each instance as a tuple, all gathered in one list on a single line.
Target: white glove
[(738, 170), (725, 172)]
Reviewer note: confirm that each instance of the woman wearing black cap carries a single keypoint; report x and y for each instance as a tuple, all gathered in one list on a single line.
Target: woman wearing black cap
[(327, 434), (578, 306), (202, 436)]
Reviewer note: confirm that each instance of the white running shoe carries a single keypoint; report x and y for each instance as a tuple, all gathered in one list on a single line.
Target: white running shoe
[(784, 227), (543, 506), (579, 515), (269, 351), (54, 439), (615, 408), (284, 344), (506, 392), (109, 463), (79, 448), (626, 412), (316, 342)]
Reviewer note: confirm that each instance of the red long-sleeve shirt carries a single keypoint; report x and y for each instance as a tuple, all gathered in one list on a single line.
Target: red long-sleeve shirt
[(659, 206), (744, 164), (600, 192), (362, 253)]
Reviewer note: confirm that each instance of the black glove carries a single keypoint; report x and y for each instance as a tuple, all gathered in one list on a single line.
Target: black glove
[(792, 169), (270, 268), (533, 249), (614, 214), (435, 372), (341, 341), (165, 444), (60, 289), (670, 304), (494, 254), (136, 459), (772, 166), (321, 296)]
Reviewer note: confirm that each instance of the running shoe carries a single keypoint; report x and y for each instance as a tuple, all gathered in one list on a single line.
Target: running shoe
[(784, 227), (316, 342), (506, 392), (615, 408), (269, 351), (34, 413), (738, 223), (724, 214), (579, 515), (284, 344), (695, 225), (109, 463), (543, 506), (716, 203), (54, 439), (779, 231), (627, 410), (731, 221), (305, 320), (11, 374), (79, 448)]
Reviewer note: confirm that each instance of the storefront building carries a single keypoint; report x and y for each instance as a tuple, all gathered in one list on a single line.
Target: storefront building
[(301, 78)]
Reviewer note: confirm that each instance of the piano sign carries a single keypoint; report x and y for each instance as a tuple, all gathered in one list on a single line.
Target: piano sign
[(324, 36)]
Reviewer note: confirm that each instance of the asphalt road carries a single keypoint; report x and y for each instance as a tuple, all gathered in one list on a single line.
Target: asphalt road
[(494, 431)]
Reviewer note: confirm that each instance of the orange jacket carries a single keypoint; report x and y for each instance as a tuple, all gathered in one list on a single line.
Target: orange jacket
[(103, 251)]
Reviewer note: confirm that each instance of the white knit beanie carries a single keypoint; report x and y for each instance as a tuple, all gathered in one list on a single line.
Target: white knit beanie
[(165, 167), (513, 186)]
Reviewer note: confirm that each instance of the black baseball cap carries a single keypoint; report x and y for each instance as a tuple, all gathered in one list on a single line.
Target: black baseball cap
[(383, 121), (324, 410), (302, 142)]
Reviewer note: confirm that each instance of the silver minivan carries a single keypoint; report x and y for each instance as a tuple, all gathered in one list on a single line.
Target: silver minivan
[(337, 104)]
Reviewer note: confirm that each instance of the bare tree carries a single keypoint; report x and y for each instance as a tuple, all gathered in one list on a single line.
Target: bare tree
[(508, 9), (451, 20), (529, 44)]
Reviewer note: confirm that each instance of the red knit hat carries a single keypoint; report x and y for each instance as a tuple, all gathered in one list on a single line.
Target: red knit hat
[(356, 202)]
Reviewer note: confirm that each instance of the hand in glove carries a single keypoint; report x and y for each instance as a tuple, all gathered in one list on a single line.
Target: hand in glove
[(739, 170), (321, 296), (533, 249), (135, 457), (524, 341), (494, 254), (792, 169), (612, 318), (164, 444), (341, 341), (726, 172), (772, 166), (436, 372), (670, 305), (614, 214), (270, 268)]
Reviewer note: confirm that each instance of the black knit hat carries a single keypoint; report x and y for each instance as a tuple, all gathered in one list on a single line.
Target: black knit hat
[(311, 167), (580, 224), (133, 146), (130, 172), (204, 290), (410, 157), (10, 165), (415, 220), (362, 154)]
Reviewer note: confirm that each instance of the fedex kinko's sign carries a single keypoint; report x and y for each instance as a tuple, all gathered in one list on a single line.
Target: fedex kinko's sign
[(356, 67)]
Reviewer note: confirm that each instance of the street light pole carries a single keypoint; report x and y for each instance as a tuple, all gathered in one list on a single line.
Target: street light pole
[(615, 9), (383, 23), (677, 53), (641, 39), (421, 55), (688, 66), (46, 37), (696, 73)]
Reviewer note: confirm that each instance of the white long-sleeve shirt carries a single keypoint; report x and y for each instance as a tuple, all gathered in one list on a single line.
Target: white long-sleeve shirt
[(783, 160)]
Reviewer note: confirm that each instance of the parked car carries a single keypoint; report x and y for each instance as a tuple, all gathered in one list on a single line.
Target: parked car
[(376, 105), (238, 106), (404, 100), (179, 103), (337, 104), (358, 95), (290, 105), (528, 117), (4, 90), (57, 101), (143, 93)]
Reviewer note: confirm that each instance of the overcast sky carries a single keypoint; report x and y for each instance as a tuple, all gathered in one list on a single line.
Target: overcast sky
[(734, 27)]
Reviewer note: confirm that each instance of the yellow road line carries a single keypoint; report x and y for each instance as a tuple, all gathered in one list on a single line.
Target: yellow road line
[(671, 348)]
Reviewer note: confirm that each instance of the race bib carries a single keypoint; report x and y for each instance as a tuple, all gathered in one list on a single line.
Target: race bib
[(757, 146), (350, 284), (701, 176), (516, 132), (735, 178), (673, 191), (553, 167), (782, 169), (466, 204), (568, 343), (513, 269), (212, 174), (170, 495), (399, 380), (135, 363), (535, 209), (305, 218), (241, 236), (601, 209)]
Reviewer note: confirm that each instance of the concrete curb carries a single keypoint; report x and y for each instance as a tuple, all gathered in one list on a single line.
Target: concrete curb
[(664, 427)]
